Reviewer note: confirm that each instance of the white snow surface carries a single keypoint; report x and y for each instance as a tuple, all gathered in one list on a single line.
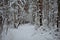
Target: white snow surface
[(26, 32)]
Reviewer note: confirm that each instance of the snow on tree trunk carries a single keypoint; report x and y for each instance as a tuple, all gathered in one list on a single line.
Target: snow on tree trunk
[(50, 12), (40, 11)]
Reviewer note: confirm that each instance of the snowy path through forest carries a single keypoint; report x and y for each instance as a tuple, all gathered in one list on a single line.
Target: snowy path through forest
[(26, 32)]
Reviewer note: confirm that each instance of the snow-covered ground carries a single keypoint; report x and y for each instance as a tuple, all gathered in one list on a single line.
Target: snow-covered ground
[(28, 32)]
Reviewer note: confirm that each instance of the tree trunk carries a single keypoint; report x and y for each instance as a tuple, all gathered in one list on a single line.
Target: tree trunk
[(58, 17), (1, 26), (40, 11)]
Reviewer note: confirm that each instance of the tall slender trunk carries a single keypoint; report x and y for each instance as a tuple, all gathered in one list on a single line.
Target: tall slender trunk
[(58, 17), (40, 11)]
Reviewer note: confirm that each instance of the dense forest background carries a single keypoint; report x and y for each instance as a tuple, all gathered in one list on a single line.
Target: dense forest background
[(44, 13)]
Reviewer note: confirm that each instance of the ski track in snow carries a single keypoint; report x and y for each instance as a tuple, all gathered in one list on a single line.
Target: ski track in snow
[(26, 32)]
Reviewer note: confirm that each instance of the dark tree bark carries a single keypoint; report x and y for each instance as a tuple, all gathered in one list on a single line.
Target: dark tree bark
[(40, 12), (58, 17), (1, 24)]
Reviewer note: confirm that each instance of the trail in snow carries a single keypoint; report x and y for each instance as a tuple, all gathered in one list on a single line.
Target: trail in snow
[(26, 32)]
